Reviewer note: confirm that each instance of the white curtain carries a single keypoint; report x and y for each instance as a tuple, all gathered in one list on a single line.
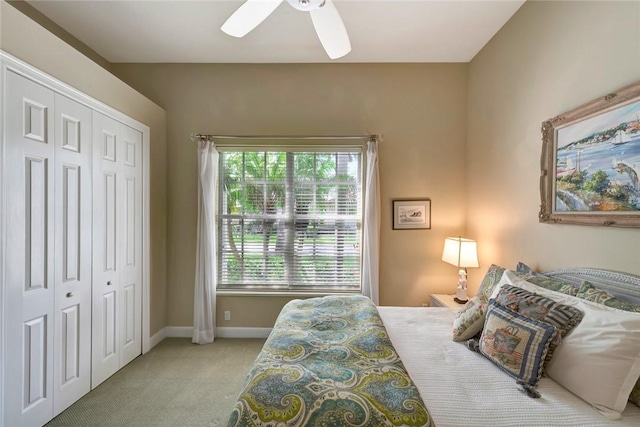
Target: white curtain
[(204, 310), (371, 238)]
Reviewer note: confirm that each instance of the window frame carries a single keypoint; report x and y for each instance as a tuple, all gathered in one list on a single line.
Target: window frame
[(300, 146)]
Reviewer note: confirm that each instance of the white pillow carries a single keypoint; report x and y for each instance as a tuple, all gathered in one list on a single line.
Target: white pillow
[(599, 360)]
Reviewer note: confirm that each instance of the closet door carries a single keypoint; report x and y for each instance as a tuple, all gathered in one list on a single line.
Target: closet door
[(107, 225), (131, 246), (72, 323), (29, 273), (117, 246)]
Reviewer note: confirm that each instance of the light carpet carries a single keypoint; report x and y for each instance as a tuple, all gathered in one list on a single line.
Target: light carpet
[(177, 383)]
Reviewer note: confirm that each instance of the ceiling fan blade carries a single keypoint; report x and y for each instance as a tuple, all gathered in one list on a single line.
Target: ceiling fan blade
[(248, 16), (331, 30)]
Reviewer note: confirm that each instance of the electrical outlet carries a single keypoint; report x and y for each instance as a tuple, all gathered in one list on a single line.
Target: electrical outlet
[(227, 315)]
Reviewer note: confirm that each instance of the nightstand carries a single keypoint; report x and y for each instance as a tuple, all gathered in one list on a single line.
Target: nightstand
[(442, 300)]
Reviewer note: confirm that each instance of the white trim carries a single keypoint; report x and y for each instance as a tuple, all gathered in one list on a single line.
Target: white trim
[(157, 338), (238, 332), (146, 241), (3, 224), (221, 332)]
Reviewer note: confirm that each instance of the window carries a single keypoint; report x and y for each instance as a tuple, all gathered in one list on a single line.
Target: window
[(290, 219)]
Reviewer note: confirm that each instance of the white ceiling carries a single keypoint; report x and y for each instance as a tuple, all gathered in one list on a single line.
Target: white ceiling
[(189, 31)]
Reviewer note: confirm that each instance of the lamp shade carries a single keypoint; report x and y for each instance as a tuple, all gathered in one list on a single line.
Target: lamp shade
[(460, 252)]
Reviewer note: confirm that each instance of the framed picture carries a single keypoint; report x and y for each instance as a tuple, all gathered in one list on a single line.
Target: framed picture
[(590, 164), (410, 214)]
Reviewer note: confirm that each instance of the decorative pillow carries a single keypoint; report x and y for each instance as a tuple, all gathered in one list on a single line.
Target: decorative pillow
[(536, 307), (470, 319), (553, 284), (590, 293), (516, 344), (523, 268), (490, 280), (599, 361)]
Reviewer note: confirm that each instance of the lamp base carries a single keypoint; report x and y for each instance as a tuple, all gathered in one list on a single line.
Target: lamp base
[(459, 301)]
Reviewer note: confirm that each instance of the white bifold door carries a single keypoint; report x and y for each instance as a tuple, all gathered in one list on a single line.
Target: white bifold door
[(117, 253), (72, 258), (72, 281), (48, 250)]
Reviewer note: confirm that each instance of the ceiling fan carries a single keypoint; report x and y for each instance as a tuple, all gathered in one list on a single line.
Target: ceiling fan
[(324, 15)]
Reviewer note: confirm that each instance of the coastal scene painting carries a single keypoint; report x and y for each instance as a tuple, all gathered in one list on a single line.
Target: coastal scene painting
[(597, 162)]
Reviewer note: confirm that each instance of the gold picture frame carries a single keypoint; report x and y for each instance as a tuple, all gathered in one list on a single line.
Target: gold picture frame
[(590, 163)]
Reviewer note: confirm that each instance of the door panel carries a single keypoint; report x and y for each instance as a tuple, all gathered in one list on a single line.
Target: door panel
[(106, 265), (35, 202), (29, 302), (131, 246), (70, 339), (73, 243)]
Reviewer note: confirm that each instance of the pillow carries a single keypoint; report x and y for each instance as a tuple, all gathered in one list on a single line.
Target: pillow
[(536, 307), (490, 280), (599, 361), (553, 284), (523, 268), (516, 344), (527, 273), (590, 293), (470, 319)]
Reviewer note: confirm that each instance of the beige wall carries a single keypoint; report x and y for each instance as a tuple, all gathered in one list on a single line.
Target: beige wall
[(28, 41), (419, 108), (548, 59)]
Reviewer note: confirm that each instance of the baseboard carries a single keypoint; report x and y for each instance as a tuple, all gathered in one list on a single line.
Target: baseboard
[(226, 332), (221, 332), (157, 338)]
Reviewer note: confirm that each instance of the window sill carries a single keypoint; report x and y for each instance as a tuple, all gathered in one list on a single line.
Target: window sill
[(251, 293)]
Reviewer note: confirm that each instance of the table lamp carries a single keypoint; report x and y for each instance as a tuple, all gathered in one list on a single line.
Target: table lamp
[(462, 253)]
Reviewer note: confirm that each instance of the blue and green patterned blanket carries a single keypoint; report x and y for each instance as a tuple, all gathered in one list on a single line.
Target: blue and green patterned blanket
[(329, 362)]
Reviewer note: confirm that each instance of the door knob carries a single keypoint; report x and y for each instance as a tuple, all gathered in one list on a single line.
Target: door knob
[(109, 283), (69, 294)]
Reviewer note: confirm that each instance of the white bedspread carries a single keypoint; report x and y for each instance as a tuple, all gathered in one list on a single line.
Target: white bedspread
[(462, 388)]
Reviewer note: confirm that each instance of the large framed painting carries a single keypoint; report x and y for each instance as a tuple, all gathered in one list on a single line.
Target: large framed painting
[(590, 164)]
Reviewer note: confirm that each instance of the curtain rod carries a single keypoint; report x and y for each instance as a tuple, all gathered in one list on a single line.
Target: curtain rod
[(370, 137)]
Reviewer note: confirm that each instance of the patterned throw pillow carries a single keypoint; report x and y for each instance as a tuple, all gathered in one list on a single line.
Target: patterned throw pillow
[(536, 307), (552, 284), (490, 280), (590, 293), (523, 268), (516, 344), (470, 320)]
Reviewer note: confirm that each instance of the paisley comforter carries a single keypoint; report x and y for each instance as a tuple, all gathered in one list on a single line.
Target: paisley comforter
[(329, 362)]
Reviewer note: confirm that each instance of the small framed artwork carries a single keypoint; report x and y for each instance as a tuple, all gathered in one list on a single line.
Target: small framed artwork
[(590, 165), (411, 214)]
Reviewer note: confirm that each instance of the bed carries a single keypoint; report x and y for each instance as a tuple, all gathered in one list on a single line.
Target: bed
[(457, 387)]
